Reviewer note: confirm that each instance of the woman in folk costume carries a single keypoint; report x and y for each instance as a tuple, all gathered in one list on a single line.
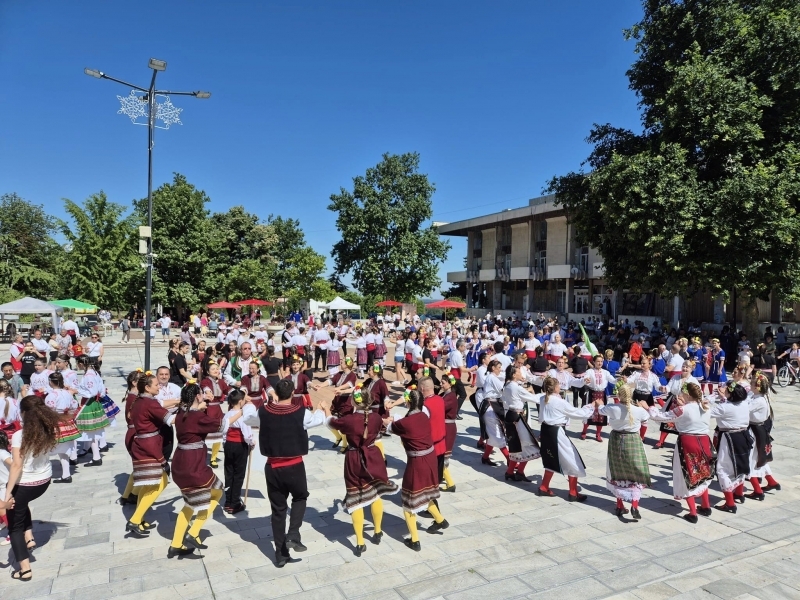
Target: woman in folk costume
[(255, 385), (597, 380), (91, 419), (450, 413), (39, 380), (343, 385), (365, 476), (493, 413), (131, 395), (300, 381), (627, 471), (522, 444), (420, 479), (239, 442), (693, 461), (717, 373), (334, 358), (477, 397), (613, 367), (200, 487), (761, 429), (645, 382), (673, 389), (370, 340), (149, 475), (698, 354), (732, 413), (361, 352), (380, 347), (215, 384), (559, 454), (65, 405), (564, 377)]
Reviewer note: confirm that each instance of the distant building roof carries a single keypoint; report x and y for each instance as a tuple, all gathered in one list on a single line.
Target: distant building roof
[(536, 206)]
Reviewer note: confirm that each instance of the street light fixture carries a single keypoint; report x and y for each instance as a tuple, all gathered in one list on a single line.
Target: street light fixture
[(144, 105)]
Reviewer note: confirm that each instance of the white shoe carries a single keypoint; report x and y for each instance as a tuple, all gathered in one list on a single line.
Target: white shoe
[(5, 541)]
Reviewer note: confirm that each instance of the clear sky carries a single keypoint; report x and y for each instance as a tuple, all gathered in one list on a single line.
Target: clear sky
[(497, 97)]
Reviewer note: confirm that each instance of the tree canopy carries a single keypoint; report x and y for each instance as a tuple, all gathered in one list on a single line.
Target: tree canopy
[(705, 197), (385, 243)]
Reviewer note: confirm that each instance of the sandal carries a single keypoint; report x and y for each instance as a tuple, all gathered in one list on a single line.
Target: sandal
[(22, 575), (29, 546)]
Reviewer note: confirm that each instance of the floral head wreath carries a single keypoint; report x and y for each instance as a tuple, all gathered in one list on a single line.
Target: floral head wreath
[(348, 361), (685, 388), (296, 358), (451, 380), (731, 386), (191, 381), (618, 386), (406, 396), (138, 369), (148, 372)]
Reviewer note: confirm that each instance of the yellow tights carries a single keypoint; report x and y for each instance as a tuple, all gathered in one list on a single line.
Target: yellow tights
[(358, 520), (447, 478), (128, 487), (147, 495), (182, 524), (215, 450), (340, 438), (411, 520)]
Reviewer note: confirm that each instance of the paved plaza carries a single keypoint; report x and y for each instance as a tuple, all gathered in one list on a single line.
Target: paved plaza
[(504, 541)]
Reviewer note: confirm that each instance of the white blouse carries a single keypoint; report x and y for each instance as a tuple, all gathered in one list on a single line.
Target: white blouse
[(598, 379), (759, 409), (644, 383), (557, 411), (675, 385), (492, 387), (515, 397), (730, 415), (618, 417), (690, 418), (60, 401)]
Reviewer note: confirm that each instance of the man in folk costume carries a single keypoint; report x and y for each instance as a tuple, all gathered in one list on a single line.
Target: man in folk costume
[(283, 439), (321, 342), (458, 370), (239, 365), (300, 381), (300, 345), (286, 343)]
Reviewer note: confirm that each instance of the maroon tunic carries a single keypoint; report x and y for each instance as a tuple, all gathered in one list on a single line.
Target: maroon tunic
[(450, 414), (365, 476), (379, 392), (421, 477), (300, 393), (130, 399), (147, 416), (256, 389), (220, 391), (342, 403), (189, 469)]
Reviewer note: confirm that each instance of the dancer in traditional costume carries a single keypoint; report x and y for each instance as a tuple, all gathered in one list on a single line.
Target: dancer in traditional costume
[(673, 389), (365, 476), (450, 414), (645, 383), (559, 454), (131, 395), (717, 374), (200, 487), (300, 382), (239, 442), (732, 414), (362, 355), (761, 429), (693, 459), (420, 479), (215, 384), (92, 419), (597, 380), (493, 413), (255, 385), (380, 347), (65, 405), (149, 475), (333, 356), (39, 385), (478, 396), (697, 353), (627, 471), (343, 384), (522, 444)]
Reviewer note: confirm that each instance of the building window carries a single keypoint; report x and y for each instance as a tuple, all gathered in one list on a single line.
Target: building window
[(504, 240), (477, 244), (581, 302), (540, 245), (601, 300)]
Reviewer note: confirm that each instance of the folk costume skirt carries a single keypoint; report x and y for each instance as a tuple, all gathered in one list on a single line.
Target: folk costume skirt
[(365, 477), (559, 454), (627, 470), (420, 480), (693, 465)]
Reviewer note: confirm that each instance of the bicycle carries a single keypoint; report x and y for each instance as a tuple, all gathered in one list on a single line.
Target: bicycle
[(786, 372)]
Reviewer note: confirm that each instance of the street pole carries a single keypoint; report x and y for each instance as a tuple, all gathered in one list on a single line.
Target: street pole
[(131, 106)]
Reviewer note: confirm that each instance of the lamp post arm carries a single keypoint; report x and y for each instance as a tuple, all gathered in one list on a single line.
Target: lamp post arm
[(136, 87)]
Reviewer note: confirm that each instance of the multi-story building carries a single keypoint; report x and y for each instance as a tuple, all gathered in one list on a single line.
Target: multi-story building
[(527, 259)]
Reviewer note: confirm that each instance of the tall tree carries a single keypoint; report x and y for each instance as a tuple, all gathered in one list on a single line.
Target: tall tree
[(299, 268), (29, 256), (181, 232), (706, 195), (101, 252), (385, 243)]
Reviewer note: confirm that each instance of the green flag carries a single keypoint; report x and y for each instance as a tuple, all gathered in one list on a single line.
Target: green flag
[(589, 345)]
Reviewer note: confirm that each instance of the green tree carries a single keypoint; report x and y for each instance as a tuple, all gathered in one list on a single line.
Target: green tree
[(385, 244), (705, 197), (299, 269), (249, 278), (29, 256), (101, 252), (181, 233)]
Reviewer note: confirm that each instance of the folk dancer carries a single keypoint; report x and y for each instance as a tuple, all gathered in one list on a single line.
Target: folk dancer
[(420, 486), (522, 444), (239, 441), (92, 419), (219, 391), (300, 382), (255, 385), (732, 413), (343, 385), (645, 382), (627, 471), (693, 461), (597, 380), (493, 413), (365, 476), (673, 390), (283, 439), (322, 341), (761, 419), (559, 454), (65, 405), (168, 392), (200, 487), (131, 395)]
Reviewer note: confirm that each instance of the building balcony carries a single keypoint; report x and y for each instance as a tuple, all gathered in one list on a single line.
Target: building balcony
[(487, 274), (456, 277)]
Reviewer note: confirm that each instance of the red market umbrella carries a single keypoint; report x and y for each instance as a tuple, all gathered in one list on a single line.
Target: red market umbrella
[(389, 303), (254, 302), (446, 304), (222, 304)]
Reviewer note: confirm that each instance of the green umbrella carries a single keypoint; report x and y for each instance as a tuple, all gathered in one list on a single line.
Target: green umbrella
[(74, 304)]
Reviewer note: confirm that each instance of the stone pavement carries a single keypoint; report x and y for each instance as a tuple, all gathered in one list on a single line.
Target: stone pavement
[(504, 541)]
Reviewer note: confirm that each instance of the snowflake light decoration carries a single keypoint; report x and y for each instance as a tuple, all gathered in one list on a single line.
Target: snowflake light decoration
[(135, 106)]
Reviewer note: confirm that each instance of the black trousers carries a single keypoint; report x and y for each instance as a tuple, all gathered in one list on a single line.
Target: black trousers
[(282, 482), (19, 517), (167, 440), (461, 393), (320, 353), (579, 396), (440, 466), (236, 455), (370, 357)]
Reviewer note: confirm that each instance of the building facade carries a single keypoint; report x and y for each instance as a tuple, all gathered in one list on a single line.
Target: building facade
[(527, 259)]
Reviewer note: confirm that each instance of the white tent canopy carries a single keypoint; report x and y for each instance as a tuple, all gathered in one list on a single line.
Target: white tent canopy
[(31, 306), (340, 303)]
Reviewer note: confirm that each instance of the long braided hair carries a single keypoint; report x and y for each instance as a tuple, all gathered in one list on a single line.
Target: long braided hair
[(625, 394), (188, 394), (363, 399)]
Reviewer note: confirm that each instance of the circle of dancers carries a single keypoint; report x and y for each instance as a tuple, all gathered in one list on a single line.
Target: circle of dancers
[(232, 400)]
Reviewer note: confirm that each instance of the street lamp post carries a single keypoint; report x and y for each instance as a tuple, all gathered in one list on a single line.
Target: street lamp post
[(133, 107)]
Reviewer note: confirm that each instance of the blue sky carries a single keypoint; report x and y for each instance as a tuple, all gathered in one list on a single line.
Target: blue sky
[(497, 97)]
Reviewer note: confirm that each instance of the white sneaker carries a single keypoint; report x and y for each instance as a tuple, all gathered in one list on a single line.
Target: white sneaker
[(5, 541)]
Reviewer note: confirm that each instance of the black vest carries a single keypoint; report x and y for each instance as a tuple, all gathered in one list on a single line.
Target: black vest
[(282, 434)]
